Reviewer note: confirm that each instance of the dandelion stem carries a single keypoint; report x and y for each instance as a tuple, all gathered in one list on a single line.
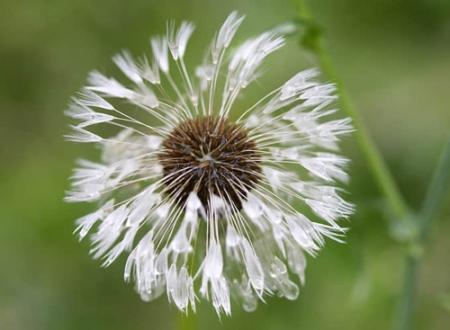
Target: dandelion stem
[(312, 39), (436, 192), (431, 205)]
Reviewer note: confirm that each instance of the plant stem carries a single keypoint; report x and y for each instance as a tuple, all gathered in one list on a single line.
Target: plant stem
[(435, 192), (407, 299), (437, 189), (433, 200), (377, 166)]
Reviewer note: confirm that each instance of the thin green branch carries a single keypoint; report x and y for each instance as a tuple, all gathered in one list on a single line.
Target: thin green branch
[(407, 299), (432, 203), (312, 39), (436, 193)]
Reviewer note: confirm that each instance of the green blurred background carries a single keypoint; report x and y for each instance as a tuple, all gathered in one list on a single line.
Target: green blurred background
[(394, 57)]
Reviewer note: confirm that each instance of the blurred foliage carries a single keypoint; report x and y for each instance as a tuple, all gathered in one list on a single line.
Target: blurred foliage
[(394, 57)]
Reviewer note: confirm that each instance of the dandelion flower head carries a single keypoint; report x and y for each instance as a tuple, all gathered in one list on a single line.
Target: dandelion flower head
[(203, 204)]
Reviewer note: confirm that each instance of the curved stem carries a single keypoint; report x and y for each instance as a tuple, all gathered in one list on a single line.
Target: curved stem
[(435, 193), (312, 40), (437, 189), (432, 203)]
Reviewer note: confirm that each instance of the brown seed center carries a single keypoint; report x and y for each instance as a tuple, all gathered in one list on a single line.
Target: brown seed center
[(211, 156)]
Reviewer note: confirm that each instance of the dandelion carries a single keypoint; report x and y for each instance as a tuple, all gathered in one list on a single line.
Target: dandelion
[(204, 205)]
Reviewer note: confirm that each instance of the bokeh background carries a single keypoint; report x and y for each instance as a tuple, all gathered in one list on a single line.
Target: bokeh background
[(394, 58)]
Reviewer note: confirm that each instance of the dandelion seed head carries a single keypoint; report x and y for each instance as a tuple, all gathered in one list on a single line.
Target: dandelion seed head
[(200, 204)]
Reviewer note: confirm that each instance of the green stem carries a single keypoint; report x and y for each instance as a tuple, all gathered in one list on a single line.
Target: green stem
[(377, 166), (436, 192), (312, 39), (432, 203), (407, 298)]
